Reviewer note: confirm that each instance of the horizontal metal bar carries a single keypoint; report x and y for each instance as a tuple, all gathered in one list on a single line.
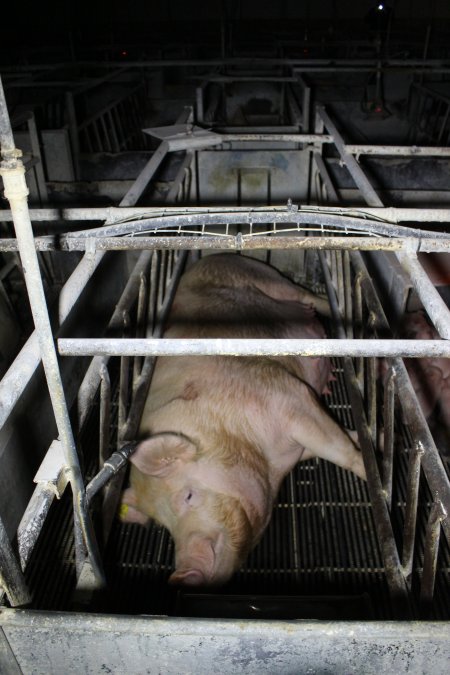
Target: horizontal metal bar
[(402, 150), (285, 138), (251, 347), (389, 214)]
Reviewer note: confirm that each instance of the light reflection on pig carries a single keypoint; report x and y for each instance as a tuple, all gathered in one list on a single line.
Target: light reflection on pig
[(220, 433)]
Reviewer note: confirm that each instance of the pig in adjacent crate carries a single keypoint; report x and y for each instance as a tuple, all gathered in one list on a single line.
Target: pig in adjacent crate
[(219, 433)]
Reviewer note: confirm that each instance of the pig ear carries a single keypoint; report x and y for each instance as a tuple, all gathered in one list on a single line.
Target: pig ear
[(162, 454)]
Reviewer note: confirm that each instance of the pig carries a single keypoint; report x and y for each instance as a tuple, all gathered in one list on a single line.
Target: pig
[(219, 433)]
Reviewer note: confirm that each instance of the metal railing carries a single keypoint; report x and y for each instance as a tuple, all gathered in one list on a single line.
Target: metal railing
[(153, 284)]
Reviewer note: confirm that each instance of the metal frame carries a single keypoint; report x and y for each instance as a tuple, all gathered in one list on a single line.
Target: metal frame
[(340, 229)]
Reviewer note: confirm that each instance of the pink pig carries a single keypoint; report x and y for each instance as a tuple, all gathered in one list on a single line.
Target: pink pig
[(220, 433)]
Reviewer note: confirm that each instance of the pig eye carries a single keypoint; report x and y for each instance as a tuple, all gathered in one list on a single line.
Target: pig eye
[(188, 497)]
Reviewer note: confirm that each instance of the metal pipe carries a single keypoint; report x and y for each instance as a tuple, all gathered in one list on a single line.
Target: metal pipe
[(412, 500), (349, 222), (252, 347), (111, 468), (239, 242), (91, 380), (393, 571), (431, 549), (395, 150), (11, 576), (277, 138), (25, 364), (388, 441), (33, 520), (437, 309), (13, 174), (352, 165), (390, 214)]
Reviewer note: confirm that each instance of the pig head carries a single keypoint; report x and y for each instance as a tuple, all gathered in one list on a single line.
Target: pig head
[(219, 434)]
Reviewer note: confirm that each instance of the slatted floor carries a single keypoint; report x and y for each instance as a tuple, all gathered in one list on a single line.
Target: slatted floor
[(319, 557)]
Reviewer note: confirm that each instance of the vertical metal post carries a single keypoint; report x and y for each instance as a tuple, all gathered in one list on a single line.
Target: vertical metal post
[(13, 174)]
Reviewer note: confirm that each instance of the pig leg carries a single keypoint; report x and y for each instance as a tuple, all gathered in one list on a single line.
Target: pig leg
[(314, 430)]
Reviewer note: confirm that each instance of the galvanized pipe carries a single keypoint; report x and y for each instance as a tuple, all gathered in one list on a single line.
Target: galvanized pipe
[(390, 214), (13, 174), (251, 347)]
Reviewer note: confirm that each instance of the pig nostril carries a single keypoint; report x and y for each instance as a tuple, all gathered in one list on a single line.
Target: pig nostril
[(188, 497)]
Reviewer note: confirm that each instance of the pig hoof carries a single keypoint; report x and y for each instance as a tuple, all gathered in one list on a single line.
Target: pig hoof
[(187, 578)]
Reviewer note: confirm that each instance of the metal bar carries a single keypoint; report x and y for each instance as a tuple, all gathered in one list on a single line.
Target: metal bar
[(252, 347), (388, 441), (431, 549), (16, 191), (11, 577), (111, 468), (240, 242), (179, 178), (431, 462), (277, 138), (25, 364), (73, 132), (33, 520), (332, 195), (412, 500), (437, 309), (143, 383), (390, 214), (36, 149), (147, 173), (105, 413), (385, 535), (352, 165), (91, 380), (221, 242), (402, 150)]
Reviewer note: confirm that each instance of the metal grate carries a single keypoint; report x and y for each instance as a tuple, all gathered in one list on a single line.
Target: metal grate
[(319, 557)]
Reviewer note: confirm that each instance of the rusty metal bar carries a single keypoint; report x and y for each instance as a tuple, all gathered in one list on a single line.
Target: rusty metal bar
[(239, 242), (397, 150)]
